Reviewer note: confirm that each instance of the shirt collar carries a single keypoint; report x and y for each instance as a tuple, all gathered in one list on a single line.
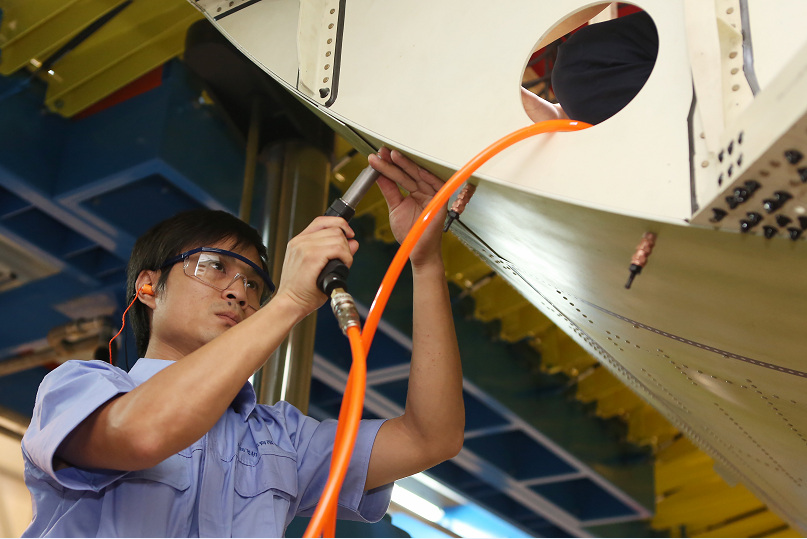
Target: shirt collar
[(243, 403)]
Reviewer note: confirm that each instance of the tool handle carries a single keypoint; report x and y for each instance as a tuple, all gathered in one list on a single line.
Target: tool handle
[(335, 273)]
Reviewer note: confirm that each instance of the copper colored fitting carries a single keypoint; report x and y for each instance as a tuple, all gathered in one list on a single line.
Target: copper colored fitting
[(639, 259), (463, 198), (644, 249), (459, 204)]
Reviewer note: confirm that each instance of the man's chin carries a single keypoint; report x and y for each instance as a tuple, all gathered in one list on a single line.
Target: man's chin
[(212, 333)]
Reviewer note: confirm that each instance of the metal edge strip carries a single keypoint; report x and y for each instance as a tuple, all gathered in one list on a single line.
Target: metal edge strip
[(236, 9), (748, 49), (337, 54)]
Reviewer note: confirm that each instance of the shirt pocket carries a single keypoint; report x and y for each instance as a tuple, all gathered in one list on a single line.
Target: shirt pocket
[(273, 470), (175, 471), (266, 492)]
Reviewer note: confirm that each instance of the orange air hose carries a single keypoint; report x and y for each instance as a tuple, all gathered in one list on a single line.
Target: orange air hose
[(439, 201), (324, 518)]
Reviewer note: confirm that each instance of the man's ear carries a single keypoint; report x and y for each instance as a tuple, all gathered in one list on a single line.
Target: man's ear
[(145, 287)]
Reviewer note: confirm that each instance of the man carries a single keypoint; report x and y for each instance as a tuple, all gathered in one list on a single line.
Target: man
[(177, 446), (599, 69)]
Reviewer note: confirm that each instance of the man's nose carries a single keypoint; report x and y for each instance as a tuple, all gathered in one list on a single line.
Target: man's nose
[(237, 290)]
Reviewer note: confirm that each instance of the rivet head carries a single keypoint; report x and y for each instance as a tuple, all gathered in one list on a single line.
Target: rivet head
[(752, 185), (718, 215), (793, 156), (783, 220)]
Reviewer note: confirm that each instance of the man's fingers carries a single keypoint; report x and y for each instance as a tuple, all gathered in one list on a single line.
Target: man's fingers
[(435, 182), (396, 168), (390, 191), (324, 222), (394, 173), (427, 182), (323, 245)]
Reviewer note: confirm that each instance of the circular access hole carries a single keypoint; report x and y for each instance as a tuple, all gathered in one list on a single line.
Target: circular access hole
[(591, 64)]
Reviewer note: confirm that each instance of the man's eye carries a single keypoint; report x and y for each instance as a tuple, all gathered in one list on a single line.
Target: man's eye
[(253, 285), (218, 266)]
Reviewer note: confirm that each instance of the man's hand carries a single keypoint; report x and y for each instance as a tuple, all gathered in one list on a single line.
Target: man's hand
[(432, 425), (540, 110), (326, 238), (421, 185)]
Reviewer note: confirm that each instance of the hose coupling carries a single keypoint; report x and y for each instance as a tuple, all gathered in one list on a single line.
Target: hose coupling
[(641, 255), (459, 204), (344, 309)]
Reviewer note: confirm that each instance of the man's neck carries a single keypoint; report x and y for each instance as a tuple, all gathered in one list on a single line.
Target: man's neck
[(160, 350)]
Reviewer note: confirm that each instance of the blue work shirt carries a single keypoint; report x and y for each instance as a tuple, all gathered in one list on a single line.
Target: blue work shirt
[(256, 469)]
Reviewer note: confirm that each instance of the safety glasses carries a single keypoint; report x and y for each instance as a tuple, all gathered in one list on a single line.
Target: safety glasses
[(220, 269)]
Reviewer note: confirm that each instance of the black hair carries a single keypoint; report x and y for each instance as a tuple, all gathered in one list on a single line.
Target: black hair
[(184, 231)]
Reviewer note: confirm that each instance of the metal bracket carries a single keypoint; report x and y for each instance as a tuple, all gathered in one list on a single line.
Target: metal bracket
[(218, 9), (319, 44)]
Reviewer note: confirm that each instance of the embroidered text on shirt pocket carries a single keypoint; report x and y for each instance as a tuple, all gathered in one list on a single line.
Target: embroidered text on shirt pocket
[(273, 469), (173, 471)]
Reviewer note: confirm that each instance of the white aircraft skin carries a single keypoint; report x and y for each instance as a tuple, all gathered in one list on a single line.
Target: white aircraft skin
[(712, 331)]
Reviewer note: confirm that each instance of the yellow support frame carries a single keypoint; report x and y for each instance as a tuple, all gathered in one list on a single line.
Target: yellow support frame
[(32, 30), (145, 35)]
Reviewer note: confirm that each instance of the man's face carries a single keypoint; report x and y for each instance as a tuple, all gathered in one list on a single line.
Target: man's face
[(189, 313)]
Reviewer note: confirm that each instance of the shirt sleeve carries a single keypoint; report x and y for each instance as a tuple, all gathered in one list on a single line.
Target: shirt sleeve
[(314, 442), (66, 396)]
